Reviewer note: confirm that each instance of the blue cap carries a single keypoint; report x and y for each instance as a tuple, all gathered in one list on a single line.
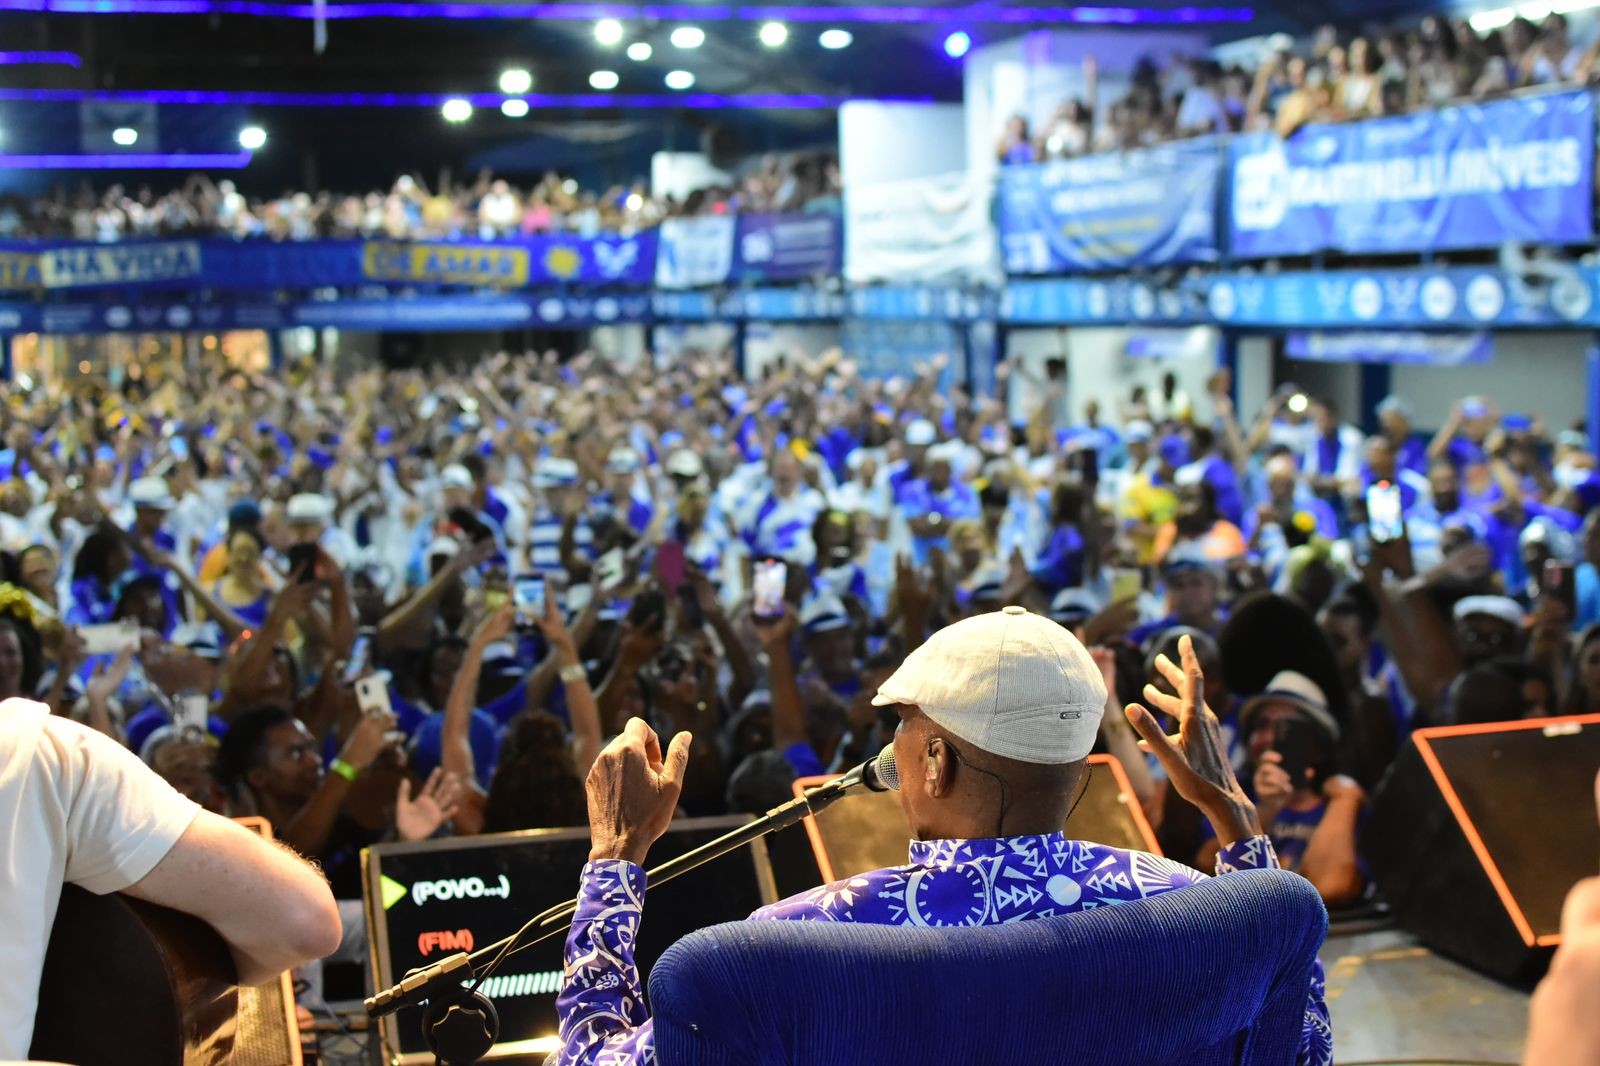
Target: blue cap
[(1516, 423), (1474, 407), (244, 513), (1175, 449), (384, 435)]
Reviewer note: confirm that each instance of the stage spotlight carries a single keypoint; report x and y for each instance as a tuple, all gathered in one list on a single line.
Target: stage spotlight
[(456, 109), (688, 37), (639, 51), (956, 45), (835, 39), (516, 81), (514, 108), (125, 136), (773, 34), (680, 79), (252, 138), (608, 32), (604, 80)]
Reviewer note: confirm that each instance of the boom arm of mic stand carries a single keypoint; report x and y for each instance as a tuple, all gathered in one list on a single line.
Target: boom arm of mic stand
[(420, 984)]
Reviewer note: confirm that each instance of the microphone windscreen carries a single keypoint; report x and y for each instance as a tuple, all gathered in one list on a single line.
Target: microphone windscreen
[(888, 772)]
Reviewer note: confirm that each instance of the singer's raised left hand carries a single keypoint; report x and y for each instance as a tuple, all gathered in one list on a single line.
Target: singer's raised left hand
[(633, 792)]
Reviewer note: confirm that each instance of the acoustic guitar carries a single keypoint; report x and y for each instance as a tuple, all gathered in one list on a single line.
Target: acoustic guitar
[(129, 983)]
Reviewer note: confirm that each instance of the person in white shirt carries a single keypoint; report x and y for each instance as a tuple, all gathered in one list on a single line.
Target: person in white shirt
[(83, 810)]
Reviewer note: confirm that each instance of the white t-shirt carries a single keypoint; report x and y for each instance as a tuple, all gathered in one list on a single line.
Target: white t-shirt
[(74, 806)]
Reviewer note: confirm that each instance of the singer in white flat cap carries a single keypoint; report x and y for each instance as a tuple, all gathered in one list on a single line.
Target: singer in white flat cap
[(998, 714)]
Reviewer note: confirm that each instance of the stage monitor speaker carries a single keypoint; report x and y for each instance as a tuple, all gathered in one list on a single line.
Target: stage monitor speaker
[(429, 899), (867, 830), (1478, 832), (269, 1030)]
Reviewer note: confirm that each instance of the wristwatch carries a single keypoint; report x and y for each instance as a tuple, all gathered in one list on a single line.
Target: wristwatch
[(573, 673)]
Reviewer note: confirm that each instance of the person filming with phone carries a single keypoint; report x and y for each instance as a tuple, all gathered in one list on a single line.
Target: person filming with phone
[(1310, 812)]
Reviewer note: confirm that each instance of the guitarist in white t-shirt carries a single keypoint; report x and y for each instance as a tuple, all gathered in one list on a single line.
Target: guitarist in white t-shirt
[(76, 807)]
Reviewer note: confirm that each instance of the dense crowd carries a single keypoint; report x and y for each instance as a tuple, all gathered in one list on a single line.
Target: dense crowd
[(528, 553), (1335, 78), (487, 208)]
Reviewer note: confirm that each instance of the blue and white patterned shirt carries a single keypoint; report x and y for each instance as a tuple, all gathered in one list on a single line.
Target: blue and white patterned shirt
[(781, 528), (604, 1021)]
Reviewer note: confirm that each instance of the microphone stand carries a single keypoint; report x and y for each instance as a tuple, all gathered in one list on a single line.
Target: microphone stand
[(441, 981)]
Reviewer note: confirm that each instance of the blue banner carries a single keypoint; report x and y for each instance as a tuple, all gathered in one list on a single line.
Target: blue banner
[(1067, 301), (1463, 177), (1390, 346), (1146, 208), (261, 265), (417, 314), (788, 247)]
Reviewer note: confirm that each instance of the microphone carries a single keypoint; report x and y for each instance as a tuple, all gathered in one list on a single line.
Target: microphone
[(877, 774)]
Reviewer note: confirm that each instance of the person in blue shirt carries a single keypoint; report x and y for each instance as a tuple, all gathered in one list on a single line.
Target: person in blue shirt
[(1061, 564), (1310, 811), (1213, 468), (1588, 576), (920, 435), (1394, 425), (933, 502), (830, 645), (1194, 588), (626, 498), (1383, 464), (101, 560), (152, 503)]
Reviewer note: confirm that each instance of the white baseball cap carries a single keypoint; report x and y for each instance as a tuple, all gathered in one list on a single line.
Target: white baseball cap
[(823, 614), (308, 507), (151, 492), (1504, 608), (623, 461), (555, 473), (1015, 684), (684, 463), (456, 476), (921, 433)]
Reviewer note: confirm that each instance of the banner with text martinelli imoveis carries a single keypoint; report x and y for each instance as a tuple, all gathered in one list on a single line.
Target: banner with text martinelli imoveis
[(1461, 177), (1146, 208)]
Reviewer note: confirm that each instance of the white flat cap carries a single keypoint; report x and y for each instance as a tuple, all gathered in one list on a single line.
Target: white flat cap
[(1013, 683)]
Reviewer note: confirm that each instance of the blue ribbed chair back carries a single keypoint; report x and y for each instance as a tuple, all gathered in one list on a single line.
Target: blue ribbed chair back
[(1212, 974)]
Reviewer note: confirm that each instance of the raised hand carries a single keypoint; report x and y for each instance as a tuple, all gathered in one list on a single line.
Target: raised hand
[(419, 817), (495, 626), (555, 630), (367, 740), (633, 792), (774, 633), (1273, 788), (1196, 759), (108, 678)]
